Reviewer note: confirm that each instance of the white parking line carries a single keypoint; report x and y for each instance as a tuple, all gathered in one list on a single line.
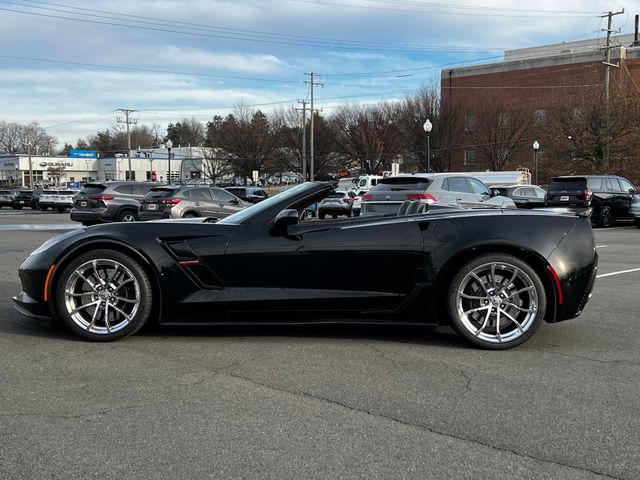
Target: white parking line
[(602, 246), (618, 273)]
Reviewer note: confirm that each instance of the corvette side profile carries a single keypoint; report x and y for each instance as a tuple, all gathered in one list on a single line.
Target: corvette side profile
[(494, 275)]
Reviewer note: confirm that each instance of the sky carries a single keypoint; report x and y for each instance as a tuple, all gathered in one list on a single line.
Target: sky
[(70, 64)]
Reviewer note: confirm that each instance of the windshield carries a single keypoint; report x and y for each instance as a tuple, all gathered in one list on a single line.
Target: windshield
[(247, 213)]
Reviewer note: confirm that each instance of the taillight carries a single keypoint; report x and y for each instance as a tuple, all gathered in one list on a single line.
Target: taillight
[(170, 201), (356, 198), (422, 196), (101, 197), (367, 196), (587, 194), (345, 200)]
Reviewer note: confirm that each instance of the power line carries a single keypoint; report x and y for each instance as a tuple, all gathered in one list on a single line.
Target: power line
[(479, 13), (434, 49), (148, 70), (75, 11)]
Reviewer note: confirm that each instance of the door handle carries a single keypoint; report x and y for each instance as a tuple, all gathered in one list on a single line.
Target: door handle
[(458, 198), (197, 204)]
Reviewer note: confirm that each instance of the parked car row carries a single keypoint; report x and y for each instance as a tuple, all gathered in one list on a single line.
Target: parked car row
[(18, 199), (105, 202)]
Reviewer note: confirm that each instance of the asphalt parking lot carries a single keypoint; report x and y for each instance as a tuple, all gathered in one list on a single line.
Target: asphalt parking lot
[(322, 402)]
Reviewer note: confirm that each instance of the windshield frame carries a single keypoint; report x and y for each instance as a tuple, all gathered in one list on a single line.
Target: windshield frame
[(266, 210)]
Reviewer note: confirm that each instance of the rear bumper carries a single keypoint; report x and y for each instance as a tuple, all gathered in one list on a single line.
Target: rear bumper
[(95, 216), (145, 215)]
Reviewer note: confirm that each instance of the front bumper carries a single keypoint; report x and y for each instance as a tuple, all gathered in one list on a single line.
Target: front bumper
[(31, 308)]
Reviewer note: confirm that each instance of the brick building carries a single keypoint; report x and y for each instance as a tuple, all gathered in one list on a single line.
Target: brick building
[(524, 90)]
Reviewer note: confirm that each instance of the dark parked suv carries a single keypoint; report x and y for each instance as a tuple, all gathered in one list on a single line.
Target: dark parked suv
[(609, 196), (109, 202), (21, 199), (248, 194)]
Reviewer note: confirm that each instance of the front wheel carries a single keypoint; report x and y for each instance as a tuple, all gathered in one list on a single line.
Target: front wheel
[(496, 301), (105, 295), (637, 222)]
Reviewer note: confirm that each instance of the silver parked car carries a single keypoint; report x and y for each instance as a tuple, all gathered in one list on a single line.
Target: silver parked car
[(184, 202), (448, 189), (635, 207), (338, 203)]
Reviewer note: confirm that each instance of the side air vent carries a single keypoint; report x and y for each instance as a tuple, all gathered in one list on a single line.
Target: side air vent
[(193, 265)]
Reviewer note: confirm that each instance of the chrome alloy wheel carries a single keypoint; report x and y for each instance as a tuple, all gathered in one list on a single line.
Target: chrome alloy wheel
[(102, 296), (497, 302)]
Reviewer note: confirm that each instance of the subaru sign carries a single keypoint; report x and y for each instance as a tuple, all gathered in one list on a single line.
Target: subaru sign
[(73, 153)]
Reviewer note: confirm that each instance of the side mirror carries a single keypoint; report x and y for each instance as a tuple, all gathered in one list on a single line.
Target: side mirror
[(632, 191), (495, 192), (284, 220), (354, 180)]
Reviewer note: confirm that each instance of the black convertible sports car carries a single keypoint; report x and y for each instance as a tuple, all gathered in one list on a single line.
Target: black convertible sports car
[(494, 275)]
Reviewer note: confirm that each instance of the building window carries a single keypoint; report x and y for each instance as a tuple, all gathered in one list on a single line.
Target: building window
[(504, 120), (577, 113), (133, 175), (469, 123), (540, 117), (470, 157), (109, 175)]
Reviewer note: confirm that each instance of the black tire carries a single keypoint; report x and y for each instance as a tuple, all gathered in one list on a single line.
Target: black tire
[(637, 222), (349, 214), (503, 261), (127, 216), (356, 213), (605, 218), (44, 209), (189, 215), (61, 210), (334, 216), (321, 216), (145, 294), (17, 208)]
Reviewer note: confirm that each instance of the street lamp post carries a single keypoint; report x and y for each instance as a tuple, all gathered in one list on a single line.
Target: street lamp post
[(536, 146), (87, 170), (169, 144), (428, 126)]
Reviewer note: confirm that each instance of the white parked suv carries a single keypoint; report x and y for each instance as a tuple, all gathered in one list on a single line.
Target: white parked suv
[(364, 183)]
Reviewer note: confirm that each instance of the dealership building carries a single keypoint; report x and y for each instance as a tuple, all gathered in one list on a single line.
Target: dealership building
[(85, 165)]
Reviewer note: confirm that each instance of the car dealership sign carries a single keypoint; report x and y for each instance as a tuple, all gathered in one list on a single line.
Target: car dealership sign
[(56, 164), (74, 153)]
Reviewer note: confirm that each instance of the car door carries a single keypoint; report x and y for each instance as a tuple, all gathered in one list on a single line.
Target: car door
[(462, 191), (226, 203), (307, 270), (203, 202), (615, 196), (627, 190), (480, 192)]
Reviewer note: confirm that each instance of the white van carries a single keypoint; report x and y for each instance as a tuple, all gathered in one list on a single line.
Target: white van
[(365, 182)]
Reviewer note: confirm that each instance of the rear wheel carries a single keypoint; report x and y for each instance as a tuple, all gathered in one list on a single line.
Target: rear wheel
[(127, 216), (637, 222), (496, 301), (321, 216), (605, 219), (334, 216), (189, 215), (17, 208), (106, 295)]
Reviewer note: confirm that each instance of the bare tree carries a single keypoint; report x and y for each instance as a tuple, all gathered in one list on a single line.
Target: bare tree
[(587, 133), (247, 138), (368, 135), (414, 111), (35, 139), (215, 163), (287, 126), (10, 137), (500, 132)]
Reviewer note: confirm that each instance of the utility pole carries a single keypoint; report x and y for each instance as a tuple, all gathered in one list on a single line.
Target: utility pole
[(128, 121), (304, 138), (607, 73), (311, 84)]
